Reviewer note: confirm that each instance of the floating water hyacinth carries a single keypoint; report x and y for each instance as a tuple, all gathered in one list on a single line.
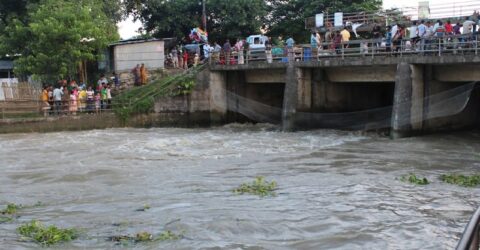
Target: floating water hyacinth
[(145, 237), (259, 187), (412, 178), (44, 235), (461, 180)]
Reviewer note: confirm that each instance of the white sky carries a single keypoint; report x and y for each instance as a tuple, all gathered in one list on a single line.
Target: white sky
[(128, 28)]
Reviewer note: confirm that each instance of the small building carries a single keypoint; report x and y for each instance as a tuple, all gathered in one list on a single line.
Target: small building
[(6, 69), (124, 55)]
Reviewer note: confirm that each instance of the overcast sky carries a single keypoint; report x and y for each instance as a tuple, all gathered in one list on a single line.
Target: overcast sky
[(128, 28)]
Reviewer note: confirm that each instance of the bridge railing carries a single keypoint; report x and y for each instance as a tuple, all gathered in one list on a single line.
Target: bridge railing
[(431, 46)]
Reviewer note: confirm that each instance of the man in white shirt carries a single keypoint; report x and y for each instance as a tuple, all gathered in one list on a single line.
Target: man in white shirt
[(414, 34), (57, 98), (468, 26)]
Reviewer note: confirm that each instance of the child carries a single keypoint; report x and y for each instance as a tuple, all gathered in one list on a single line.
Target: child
[(97, 102), (73, 102)]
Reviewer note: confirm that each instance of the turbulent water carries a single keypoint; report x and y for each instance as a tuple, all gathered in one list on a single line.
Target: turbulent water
[(336, 190)]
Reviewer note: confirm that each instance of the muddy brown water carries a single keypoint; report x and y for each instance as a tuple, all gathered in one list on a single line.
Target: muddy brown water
[(337, 190)]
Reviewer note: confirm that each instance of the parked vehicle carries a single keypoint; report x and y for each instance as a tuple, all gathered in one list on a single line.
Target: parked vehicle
[(257, 45)]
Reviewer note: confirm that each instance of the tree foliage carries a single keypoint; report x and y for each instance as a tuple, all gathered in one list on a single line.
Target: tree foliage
[(229, 19), (225, 19), (287, 18), (58, 35)]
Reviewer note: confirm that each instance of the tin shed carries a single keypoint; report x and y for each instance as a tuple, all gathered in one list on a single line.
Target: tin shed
[(127, 54)]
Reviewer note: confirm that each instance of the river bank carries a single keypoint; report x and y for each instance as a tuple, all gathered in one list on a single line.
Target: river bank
[(102, 121)]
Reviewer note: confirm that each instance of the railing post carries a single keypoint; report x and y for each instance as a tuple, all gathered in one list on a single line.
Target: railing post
[(439, 47), (374, 47), (476, 44), (401, 47)]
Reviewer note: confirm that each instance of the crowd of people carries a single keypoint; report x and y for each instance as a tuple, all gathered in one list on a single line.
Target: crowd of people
[(419, 36), (70, 98)]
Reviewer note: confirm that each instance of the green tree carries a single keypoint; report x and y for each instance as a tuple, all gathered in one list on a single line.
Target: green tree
[(287, 18), (225, 19), (58, 36)]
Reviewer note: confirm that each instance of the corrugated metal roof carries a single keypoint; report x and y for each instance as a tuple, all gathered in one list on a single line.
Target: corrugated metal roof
[(6, 65), (132, 41)]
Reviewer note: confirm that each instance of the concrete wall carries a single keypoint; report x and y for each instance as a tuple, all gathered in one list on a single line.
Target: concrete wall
[(127, 56)]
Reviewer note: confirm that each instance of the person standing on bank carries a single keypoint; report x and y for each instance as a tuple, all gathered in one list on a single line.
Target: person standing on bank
[(136, 75), (143, 74)]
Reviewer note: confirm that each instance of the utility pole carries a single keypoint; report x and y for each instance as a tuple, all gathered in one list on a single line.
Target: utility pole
[(204, 16)]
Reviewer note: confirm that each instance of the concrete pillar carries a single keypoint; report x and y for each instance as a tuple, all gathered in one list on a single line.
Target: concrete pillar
[(417, 97), (290, 98), (236, 86), (402, 102), (304, 79), (218, 97), (319, 89)]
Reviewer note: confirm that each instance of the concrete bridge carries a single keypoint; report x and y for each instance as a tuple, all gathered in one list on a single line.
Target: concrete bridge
[(399, 87)]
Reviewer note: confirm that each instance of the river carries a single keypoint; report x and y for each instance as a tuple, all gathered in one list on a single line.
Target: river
[(336, 189)]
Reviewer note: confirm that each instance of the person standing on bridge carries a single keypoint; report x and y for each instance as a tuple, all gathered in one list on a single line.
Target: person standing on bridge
[(414, 35), (345, 37), (290, 43), (227, 49)]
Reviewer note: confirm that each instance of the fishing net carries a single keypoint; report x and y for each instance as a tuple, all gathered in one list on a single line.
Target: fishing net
[(443, 104)]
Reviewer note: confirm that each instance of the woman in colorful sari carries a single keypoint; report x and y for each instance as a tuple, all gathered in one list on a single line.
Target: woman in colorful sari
[(143, 74)]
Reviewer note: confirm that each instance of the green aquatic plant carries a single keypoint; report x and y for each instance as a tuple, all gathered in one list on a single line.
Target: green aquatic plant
[(259, 187), (5, 219), (145, 237), (46, 236), (168, 235), (412, 178), (461, 180), (11, 208)]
